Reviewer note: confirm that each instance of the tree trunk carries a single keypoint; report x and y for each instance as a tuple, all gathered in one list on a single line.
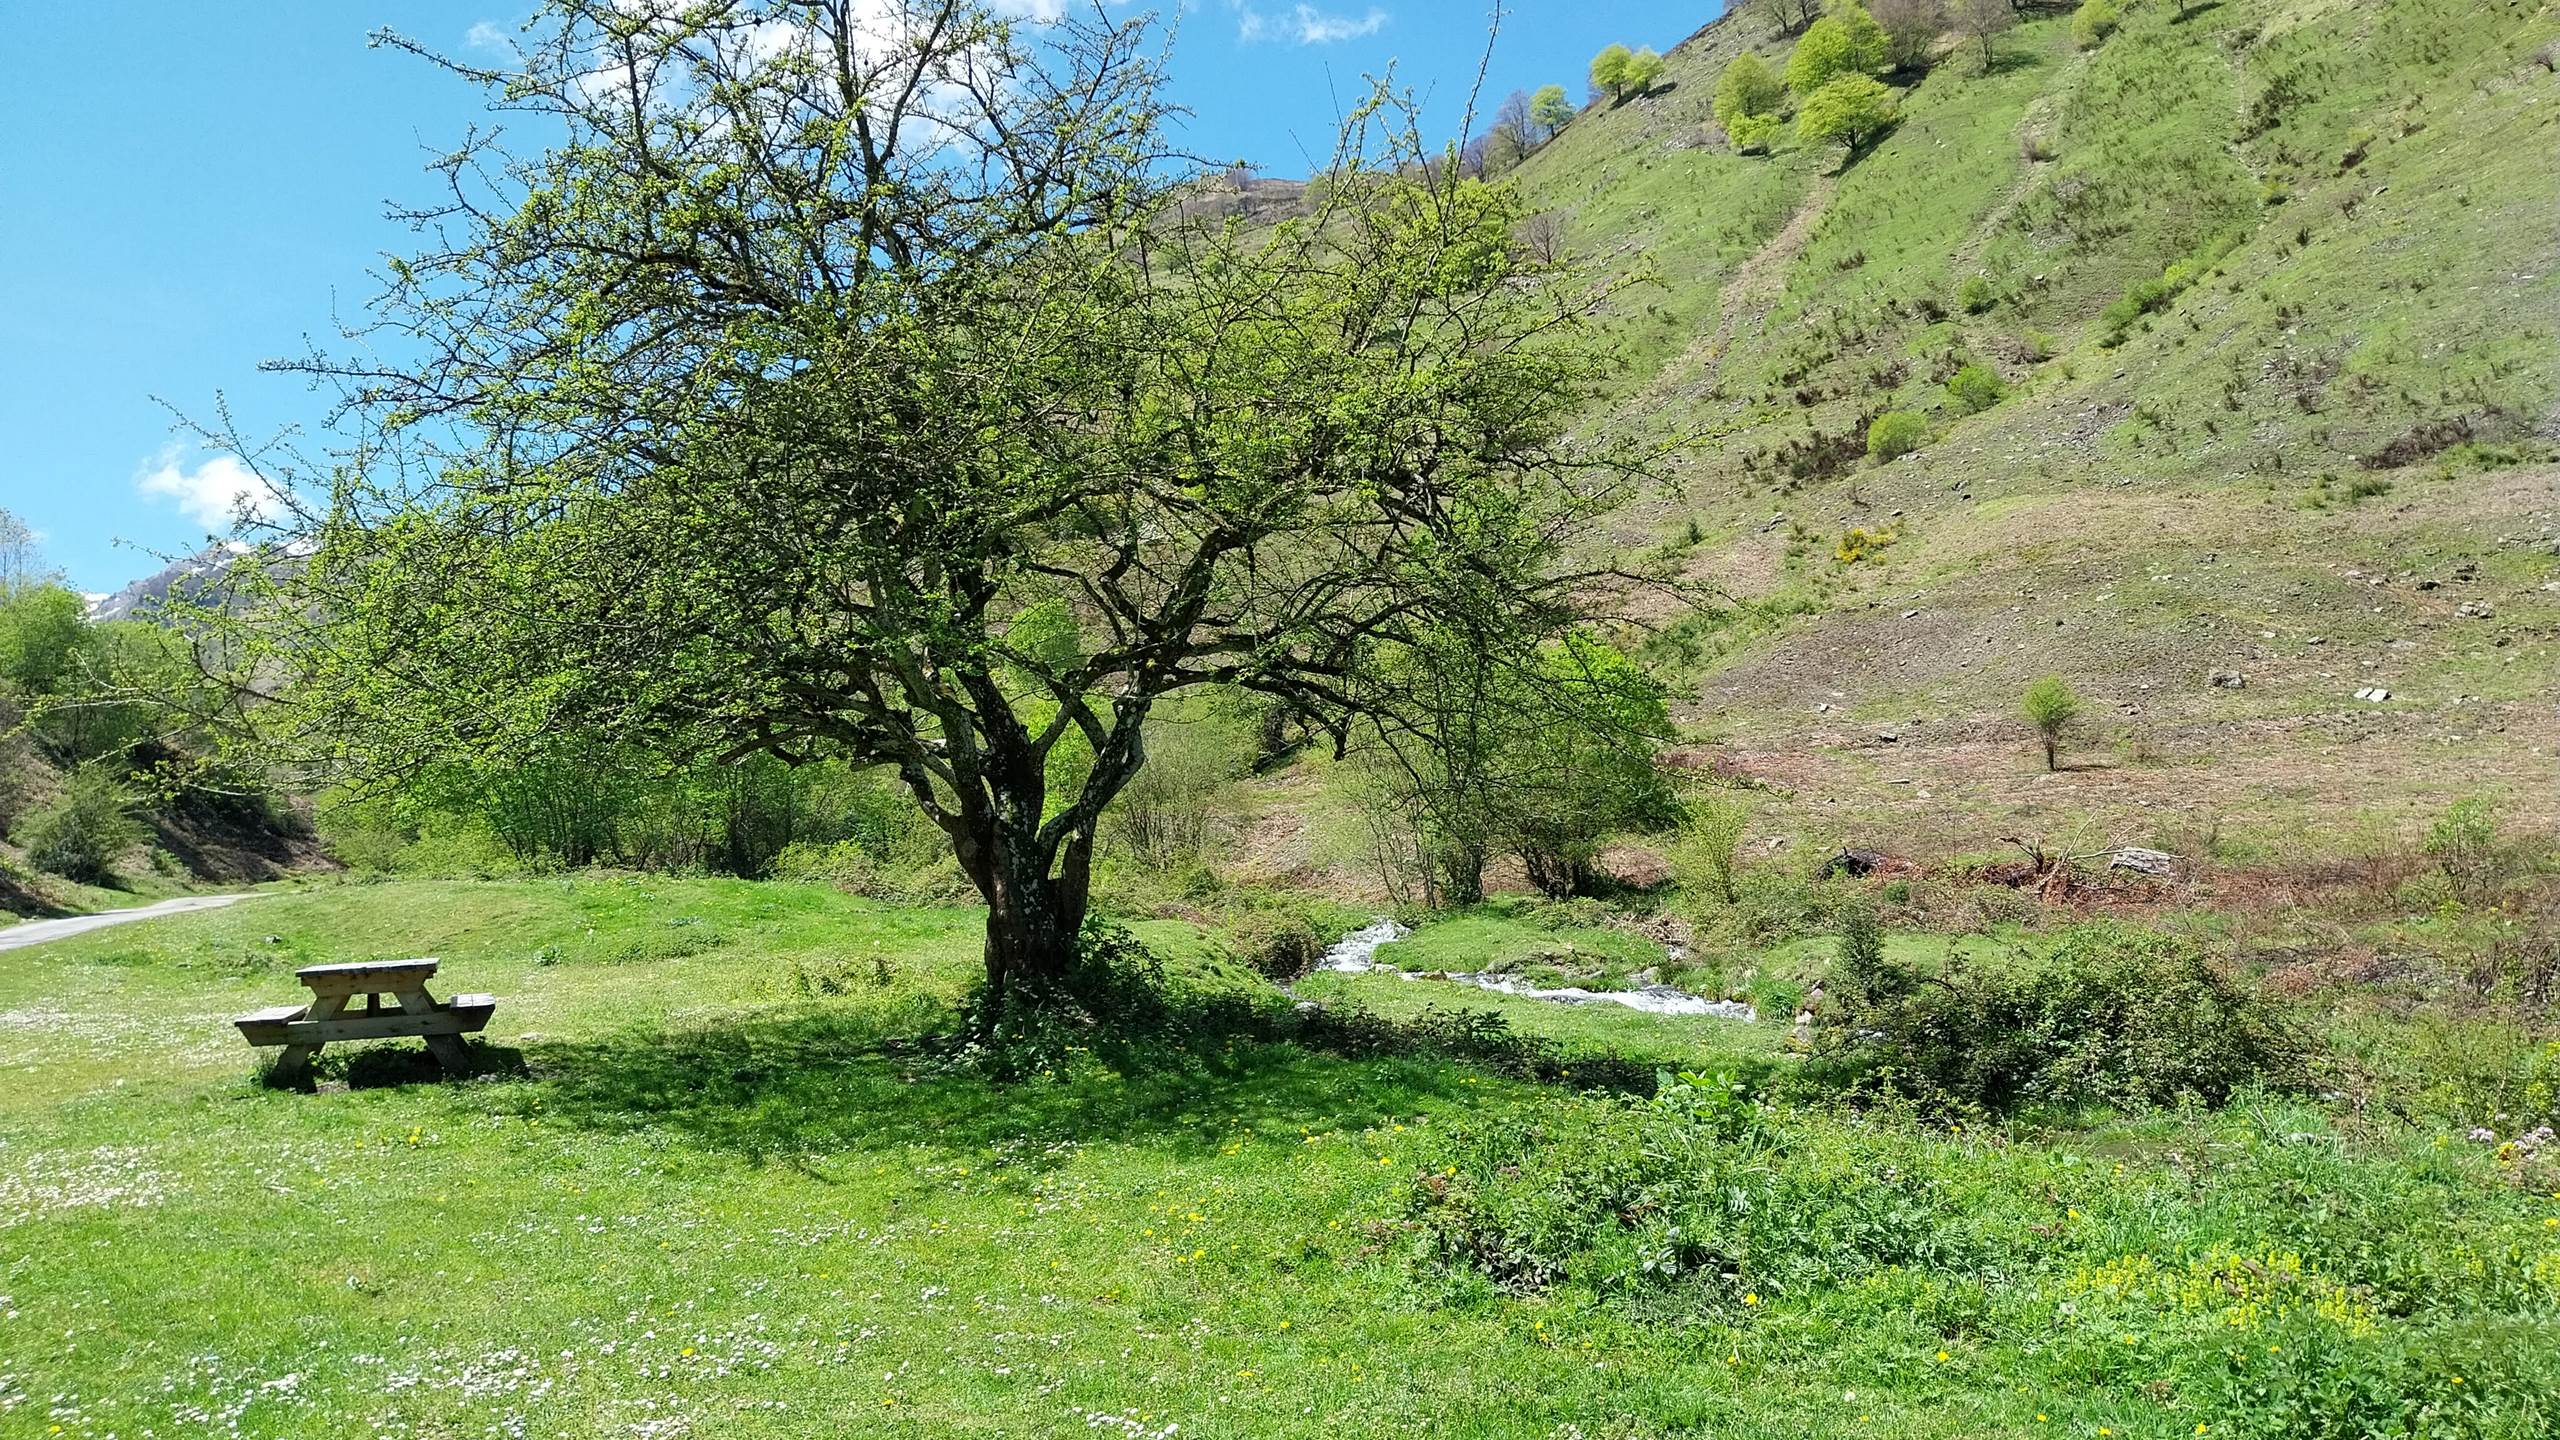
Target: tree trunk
[(1033, 915)]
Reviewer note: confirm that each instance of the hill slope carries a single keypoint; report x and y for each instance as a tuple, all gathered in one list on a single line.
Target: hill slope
[(2316, 461)]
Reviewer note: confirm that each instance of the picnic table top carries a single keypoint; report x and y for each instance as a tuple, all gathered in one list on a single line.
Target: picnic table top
[(368, 970)]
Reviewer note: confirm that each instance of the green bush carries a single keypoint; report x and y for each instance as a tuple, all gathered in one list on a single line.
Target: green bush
[(1747, 90), (2103, 1013), (1705, 855), (2093, 22), (1754, 134), (1976, 295), (1897, 433), (1853, 110), (1976, 388), (81, 832), (2146, 296), (2252, 1274), (2465, 846), (43, 631)]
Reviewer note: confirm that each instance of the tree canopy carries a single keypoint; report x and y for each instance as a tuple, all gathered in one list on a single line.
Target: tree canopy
[(849, 382), (1845, 42), (1619, 72), (1550, 109), (1748, 87), (1853, 109)]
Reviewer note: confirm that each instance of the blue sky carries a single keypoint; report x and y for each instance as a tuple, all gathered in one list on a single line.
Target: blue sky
[(206, 189)]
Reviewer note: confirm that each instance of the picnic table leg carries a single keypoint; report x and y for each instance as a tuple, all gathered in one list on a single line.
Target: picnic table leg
[(449, 1050), (295, 1062)]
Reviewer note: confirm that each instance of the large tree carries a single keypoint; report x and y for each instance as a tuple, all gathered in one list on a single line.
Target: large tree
[(849, 380)]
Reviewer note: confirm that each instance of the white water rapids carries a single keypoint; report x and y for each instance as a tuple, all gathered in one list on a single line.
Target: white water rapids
[(1356, 954)]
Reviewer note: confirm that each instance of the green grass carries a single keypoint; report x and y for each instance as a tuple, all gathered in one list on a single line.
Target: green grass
[(706, 1195)]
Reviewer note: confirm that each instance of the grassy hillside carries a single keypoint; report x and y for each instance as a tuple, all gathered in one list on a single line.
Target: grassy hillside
[(2271, 286)]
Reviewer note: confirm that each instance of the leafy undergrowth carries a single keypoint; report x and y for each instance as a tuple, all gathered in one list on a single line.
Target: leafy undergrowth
[(722, 1175), (2260, 1271)]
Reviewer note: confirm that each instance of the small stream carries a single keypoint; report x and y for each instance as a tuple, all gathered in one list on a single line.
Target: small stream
[(1357, 952)]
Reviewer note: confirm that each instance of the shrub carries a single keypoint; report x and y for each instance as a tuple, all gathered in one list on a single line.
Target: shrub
[(1976, 388), (1747, 90), (1853, 110), (2050, 706), (81, 832), (42, 633), (1754, 134), (1826, 53), (2465, 846), (1705, 854), (2093, 22), (1897, 433), (1976, 295), (1862, 951), (2104, 1013)]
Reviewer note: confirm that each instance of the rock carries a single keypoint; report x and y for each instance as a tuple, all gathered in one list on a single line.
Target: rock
[(1854, 863), (2474, 610), (2148, 862), (2229, 680), (1910, 614), (1649, 975), (2373, 694)]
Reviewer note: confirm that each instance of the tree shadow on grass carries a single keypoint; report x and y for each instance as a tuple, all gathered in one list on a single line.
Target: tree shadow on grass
[(785, 1087)]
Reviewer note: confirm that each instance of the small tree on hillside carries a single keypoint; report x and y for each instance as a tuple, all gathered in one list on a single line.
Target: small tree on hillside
[(1514, 132), (1551, 111), (43, 631), (1748, 87), (1911, 29), (1853, 110), (1828, 51), (850, 383), (1983, 21), (1609, 71), (1644, 71), (1870, 48), (1792, 16), (2050, 705)]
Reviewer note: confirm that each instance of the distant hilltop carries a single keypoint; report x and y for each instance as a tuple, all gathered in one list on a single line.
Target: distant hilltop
[(137, 600)]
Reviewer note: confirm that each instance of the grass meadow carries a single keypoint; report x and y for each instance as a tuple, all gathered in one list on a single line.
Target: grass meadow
[(724, 1173)]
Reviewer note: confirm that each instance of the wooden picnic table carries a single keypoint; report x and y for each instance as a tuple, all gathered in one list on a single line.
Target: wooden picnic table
[(303, 1029)]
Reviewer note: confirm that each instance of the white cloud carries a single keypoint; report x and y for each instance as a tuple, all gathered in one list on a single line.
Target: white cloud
[(488, 35), (217, 492), (1304, 24), (1312, 26)]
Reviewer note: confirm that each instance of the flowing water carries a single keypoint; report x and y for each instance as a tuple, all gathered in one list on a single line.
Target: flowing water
[(1357, 954)]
